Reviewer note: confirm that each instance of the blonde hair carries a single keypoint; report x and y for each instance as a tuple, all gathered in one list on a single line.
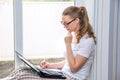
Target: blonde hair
[(85, 26)]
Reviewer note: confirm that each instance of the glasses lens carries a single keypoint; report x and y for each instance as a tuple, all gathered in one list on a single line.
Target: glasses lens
[(66, 24)]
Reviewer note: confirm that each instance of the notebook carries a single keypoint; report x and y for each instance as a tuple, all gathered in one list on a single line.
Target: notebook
[(44, 73)]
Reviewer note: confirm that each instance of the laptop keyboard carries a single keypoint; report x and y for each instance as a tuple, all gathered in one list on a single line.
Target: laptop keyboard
[(48, 71)]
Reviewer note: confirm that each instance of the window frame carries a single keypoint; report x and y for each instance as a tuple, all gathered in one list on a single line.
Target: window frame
[(18, 35), (18, 31)]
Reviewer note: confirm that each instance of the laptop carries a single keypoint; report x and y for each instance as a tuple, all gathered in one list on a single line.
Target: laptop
[(44, 73)]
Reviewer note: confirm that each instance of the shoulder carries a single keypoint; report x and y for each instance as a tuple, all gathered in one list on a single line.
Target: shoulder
[(86, 46), (86, 41)]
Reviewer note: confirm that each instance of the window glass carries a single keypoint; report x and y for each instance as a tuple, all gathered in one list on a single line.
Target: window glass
[(43, 33), (6, 38)]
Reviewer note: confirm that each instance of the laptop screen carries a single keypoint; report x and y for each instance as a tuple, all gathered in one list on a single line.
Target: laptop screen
[(26, 62)]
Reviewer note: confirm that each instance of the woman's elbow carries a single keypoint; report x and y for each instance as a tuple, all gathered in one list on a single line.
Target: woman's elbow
[(73, 69)]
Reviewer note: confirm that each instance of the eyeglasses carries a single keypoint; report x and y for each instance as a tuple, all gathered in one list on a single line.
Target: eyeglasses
[(67, 23)]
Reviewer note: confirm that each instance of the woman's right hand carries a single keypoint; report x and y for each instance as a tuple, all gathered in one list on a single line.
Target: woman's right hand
[(44, 64), (68, 38)]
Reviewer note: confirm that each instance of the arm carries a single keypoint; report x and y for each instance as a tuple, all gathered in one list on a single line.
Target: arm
[(76, 62), (57, 65)]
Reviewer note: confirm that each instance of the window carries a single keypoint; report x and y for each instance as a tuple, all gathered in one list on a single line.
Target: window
[(6, 38), (42, 31)]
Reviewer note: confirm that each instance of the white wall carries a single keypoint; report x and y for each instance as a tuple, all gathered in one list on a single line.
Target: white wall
[(106, 25)]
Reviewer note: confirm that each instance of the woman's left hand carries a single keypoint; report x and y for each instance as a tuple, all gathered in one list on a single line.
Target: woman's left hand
[(44, 64), (68, 38)]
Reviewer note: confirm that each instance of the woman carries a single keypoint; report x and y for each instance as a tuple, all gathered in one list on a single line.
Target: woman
[(80, 46)]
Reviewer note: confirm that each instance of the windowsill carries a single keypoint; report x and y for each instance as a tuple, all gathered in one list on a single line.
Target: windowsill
[(6, 67)]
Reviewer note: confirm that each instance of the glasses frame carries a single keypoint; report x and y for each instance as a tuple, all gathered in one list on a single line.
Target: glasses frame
[(67, 23)]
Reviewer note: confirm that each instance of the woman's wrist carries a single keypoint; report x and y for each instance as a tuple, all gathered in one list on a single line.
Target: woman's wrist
[(68, 44), (51, 65)]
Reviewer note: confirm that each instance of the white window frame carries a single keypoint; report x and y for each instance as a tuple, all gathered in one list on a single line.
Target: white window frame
[(18, 31), (118, 42), (18, 35)]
